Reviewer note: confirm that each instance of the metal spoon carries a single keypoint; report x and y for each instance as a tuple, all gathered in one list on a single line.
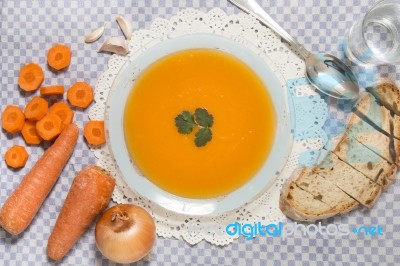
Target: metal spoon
[(326, 72)]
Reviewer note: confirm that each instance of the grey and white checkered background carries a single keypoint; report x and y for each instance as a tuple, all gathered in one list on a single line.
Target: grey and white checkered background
[(29, 28)]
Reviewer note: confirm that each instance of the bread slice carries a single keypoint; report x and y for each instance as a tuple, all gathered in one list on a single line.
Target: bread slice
[(300, 205), (366, 161), (384, 146), (387, 93), (377, 115), (324, 190), (354, 174), (349, 180)]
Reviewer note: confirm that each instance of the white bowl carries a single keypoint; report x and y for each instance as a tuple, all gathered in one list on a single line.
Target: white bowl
[(255, 186)]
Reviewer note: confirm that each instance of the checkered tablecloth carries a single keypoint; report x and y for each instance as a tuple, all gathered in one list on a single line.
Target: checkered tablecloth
[(27, 31)]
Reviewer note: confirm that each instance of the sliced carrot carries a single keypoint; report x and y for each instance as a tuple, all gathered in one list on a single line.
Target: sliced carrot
[(80, 94), (16, 156), (24, 202), (59, 56), (36, 108), (94, 132), (12, 119), (30, 134), (49, 127), (62, 110), (52, 90), (88, 196), (30, 77)]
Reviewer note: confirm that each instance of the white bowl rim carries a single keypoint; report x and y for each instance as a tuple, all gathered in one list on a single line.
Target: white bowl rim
[(265, 177)]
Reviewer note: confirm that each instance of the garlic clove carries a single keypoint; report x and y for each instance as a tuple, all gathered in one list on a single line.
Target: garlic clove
[(116, 45), (125, 25), (95, 35)]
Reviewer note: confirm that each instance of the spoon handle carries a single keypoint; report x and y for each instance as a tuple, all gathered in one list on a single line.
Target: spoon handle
[(253, 8)]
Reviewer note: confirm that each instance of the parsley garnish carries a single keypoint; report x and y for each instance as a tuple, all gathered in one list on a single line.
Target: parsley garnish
[(203, 118), (203, 136), (186, 121)]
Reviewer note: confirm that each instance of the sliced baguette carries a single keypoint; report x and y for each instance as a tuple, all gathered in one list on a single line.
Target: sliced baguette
[(366, 161)]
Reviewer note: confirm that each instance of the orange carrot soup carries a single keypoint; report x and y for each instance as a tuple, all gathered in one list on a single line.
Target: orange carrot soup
[(242, 131)]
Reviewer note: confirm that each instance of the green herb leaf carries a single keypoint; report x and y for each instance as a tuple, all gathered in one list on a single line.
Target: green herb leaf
[(184, 122), (203, 118), (203, 136)]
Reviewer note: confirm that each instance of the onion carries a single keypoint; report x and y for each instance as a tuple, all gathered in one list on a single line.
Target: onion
[(125, 233)]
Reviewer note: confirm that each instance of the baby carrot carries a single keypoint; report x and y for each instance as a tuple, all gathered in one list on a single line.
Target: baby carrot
[(59, 56), (16, 156), (89, 194), (36, 108), (52, 90), (24, 202), (12, 119)]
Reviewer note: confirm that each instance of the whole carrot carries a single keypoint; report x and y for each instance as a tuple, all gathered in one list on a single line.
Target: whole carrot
[(22, 205), (89, 195)]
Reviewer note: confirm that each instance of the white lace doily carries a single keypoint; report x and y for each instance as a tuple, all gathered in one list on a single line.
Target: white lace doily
[(308, 111)]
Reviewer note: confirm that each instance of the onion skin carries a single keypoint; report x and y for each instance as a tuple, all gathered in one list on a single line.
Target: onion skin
[(125, 233)]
